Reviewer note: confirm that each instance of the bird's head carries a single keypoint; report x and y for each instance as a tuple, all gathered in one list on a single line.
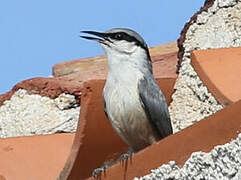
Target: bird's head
[(120, 43)]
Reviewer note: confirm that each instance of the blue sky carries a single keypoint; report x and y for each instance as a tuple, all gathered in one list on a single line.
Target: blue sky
[(35, 35)]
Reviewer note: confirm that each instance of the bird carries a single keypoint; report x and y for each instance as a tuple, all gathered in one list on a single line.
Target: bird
[(133, 102)]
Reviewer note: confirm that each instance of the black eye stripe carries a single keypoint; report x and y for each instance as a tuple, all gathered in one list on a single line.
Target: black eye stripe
[(126, 37), (122, 36)]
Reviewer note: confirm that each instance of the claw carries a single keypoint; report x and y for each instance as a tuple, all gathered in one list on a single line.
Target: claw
[(97, 172), (126, 156)]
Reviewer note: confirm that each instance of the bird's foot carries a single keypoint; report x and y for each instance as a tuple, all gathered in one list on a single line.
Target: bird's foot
[(97, 172), (126, 156)]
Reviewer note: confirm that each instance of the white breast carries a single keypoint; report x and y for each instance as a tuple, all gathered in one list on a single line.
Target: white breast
[(124, 108)]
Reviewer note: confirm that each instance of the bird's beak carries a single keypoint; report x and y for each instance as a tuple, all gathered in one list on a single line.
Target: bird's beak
[(101, 36)]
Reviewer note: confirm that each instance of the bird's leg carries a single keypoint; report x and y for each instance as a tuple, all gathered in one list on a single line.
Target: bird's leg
[(97, 172)]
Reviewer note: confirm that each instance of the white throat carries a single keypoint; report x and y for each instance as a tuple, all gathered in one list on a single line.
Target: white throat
[(135, 59)]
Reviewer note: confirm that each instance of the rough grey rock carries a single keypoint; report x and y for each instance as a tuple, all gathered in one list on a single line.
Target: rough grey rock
[(29, 114), (223, 162), (218, 27)]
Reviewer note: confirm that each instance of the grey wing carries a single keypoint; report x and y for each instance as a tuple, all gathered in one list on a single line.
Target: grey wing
[(155, 106)]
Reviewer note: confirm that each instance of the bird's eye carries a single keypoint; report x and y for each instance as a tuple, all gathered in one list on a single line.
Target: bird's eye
[(118, 36)]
